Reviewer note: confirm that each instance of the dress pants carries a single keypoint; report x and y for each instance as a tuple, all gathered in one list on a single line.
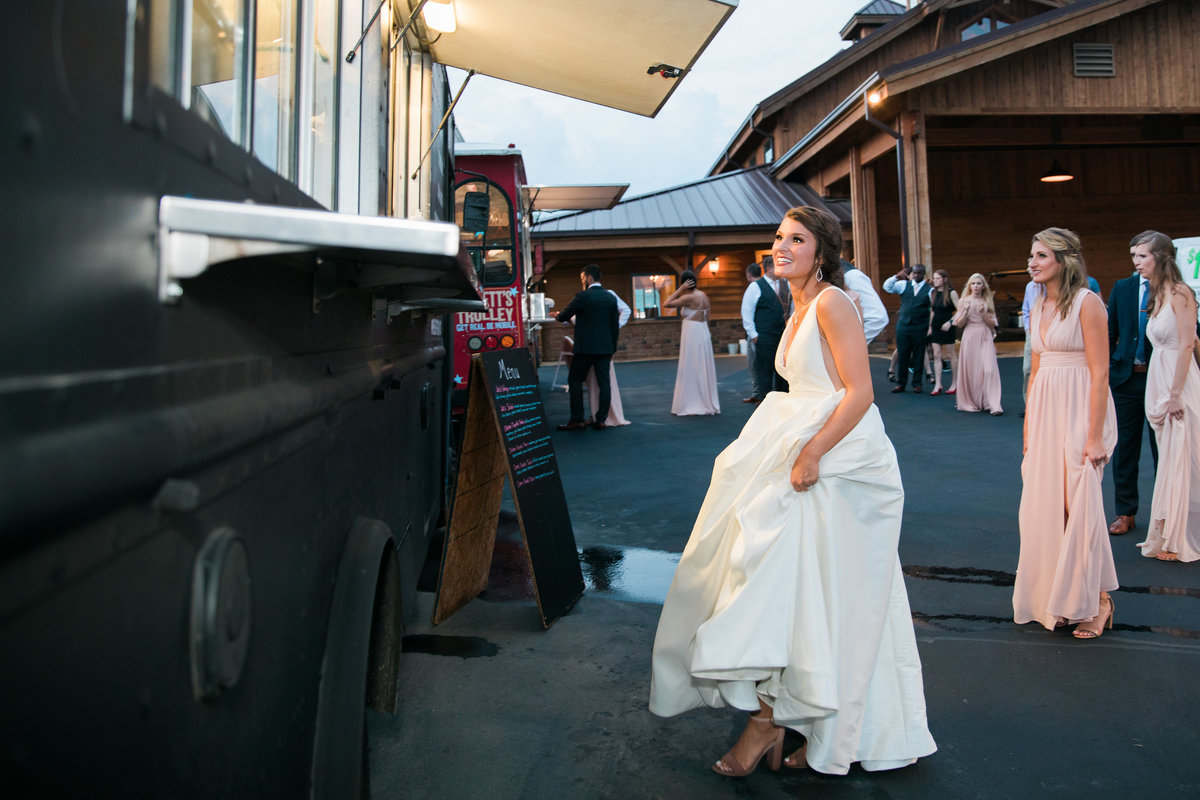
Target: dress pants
[(910, 352), (1130, 401), (577, 376), (752, 367), (766, 377)]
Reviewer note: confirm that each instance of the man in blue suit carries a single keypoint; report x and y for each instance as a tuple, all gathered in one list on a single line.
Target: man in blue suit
[(1129, 356), (597, 321)]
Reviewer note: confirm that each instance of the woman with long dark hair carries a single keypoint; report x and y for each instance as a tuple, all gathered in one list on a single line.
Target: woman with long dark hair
[(943, 302), (788, 601), (696, 374), (1172, 402)]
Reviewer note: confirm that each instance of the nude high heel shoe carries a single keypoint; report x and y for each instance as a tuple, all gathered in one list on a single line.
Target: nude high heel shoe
[(729, 766), (1092, 628)]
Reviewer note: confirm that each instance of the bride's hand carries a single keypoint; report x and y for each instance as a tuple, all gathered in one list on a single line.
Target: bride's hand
[(805, 472)]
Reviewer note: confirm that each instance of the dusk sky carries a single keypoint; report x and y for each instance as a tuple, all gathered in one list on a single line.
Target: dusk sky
[(765, 45)]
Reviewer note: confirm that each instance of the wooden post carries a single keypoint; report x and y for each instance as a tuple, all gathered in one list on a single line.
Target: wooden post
[(863, 215), (912, 131)]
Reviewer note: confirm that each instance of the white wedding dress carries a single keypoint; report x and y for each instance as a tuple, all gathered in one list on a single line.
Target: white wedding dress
[(798, 597)]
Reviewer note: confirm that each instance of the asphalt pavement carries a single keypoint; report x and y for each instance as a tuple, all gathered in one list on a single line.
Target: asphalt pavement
[(496, 707)]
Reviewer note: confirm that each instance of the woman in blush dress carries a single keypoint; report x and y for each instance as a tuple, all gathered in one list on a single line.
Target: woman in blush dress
[(978, 376), (1172, 402), (788, 601), (696, 376), (943, 302), (1066, 569), (616, 411)]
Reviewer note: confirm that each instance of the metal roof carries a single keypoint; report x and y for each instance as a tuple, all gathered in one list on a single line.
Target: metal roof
[(881, 8), (748, 198)]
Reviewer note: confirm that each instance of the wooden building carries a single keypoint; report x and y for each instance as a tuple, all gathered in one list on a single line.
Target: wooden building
[(968, 105), (715, 226), (983, 98)]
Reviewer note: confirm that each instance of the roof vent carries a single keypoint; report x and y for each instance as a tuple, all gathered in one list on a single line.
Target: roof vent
[(1094, 60)]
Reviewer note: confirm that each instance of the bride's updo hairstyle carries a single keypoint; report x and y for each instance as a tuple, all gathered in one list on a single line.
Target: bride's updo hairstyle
[(687, 275), (828, 230)]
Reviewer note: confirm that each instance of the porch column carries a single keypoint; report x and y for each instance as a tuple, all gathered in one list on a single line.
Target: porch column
[(863, 215), (916, 179)]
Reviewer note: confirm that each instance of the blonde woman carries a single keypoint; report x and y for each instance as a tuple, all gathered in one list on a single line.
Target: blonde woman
[(1066, 569), (1172, 402), (978, 375), (943, 302)]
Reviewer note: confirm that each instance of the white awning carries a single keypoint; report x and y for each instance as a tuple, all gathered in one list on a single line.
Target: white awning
[(573, 198), (593, 50)]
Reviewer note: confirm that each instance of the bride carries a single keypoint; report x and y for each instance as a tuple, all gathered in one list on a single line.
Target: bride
[(788, 601)]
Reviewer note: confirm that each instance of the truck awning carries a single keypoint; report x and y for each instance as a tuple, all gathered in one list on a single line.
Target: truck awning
[(573, 198), (617, 53)]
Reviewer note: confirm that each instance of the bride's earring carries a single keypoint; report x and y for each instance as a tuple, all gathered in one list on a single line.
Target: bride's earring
[(820, 275)]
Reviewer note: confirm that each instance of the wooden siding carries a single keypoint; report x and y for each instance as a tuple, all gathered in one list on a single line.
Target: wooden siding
[(986, 207), (1157, 69), (807, 108)]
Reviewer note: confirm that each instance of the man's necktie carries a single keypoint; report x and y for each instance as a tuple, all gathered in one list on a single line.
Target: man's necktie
[(1140, 355)]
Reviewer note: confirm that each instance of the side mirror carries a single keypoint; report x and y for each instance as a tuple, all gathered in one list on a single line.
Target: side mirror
[(476, 213)]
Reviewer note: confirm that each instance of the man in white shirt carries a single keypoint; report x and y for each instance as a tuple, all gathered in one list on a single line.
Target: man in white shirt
[(765, 307), (753, 273), (873, 311)]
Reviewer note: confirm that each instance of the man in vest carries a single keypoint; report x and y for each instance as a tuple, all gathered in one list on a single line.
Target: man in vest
[(765, 306), (912, 323)]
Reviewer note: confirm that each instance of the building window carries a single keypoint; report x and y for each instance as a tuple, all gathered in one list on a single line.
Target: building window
[(991, 21), (649, 291), (217, 72), (272, 77), (275, 85), (769, 150)]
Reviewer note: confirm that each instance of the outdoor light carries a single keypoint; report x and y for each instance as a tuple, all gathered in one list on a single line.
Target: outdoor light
[(439, 15), (874, 97), (714, 266), (1056, 174)]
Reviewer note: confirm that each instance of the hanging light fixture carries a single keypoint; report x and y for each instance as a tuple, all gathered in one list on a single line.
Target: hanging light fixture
[(1056, 174), (439, 15), (714, 266)]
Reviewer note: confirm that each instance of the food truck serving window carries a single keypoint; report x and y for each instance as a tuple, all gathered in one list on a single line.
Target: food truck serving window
[(491, 244)]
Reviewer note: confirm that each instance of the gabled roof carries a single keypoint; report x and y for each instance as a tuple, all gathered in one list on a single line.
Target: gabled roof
[(748, 198), (814, 77), (877, 12), (959, 56)]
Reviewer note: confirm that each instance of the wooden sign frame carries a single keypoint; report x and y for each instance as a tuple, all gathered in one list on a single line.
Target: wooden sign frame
[(506, 436)]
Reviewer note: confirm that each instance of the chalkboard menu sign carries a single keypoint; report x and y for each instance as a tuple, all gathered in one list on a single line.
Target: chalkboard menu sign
[(507, 434)]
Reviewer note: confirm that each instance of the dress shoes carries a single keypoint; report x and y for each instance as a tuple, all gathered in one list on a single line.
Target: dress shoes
[(916, 390), (897, 389), (751, 399), (600, 426), (1122, 524), (573, 426)]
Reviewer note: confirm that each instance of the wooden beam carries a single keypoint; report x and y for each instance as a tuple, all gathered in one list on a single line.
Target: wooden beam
[(916, 186), (863, 215), (672, 263)]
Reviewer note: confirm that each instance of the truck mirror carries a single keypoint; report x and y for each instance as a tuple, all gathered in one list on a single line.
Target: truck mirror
[(476, 212)]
